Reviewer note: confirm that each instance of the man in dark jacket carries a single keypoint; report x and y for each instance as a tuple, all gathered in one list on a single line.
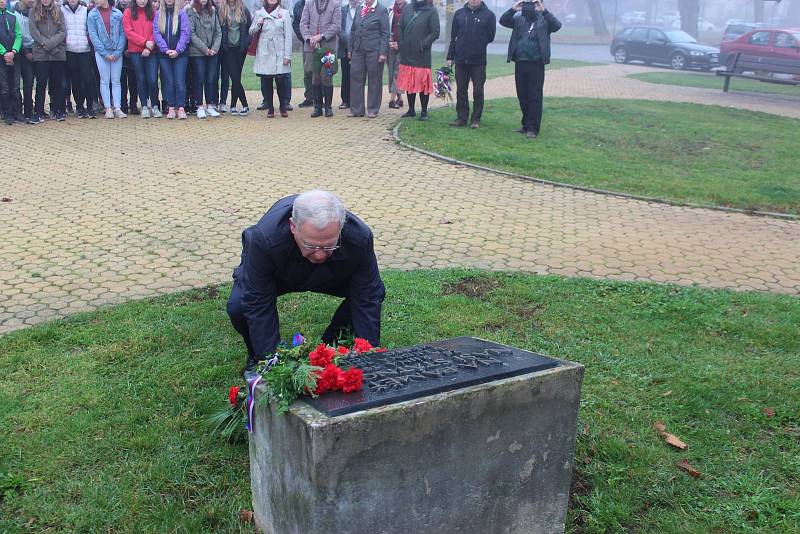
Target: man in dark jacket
[(473, 29), (306, 242), (297, 15), (529, 49)]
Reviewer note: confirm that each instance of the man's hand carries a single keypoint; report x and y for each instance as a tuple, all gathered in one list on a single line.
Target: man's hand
[(286, 62), (349, 55), (381, 59), (314, 41), (517, 5), (9, 57), (538, 5), (393, 45)]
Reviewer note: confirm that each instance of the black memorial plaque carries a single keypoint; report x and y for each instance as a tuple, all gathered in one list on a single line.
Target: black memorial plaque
[(412, 372)]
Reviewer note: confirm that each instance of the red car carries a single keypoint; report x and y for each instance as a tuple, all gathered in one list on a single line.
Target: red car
[(765, 42)]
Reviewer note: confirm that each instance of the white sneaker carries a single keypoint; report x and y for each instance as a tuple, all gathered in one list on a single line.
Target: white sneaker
[(211, 112), (222, 108), (155, 112), (145, 112), (201, 113), (119, 114)]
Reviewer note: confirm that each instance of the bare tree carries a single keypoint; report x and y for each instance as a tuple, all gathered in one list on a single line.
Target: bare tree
[(690, 12), (793, 15), (758, 10), (598, 20)]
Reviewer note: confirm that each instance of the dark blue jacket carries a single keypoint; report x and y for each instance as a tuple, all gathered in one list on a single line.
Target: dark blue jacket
[(545, 24), (471, 33), (273, 265)]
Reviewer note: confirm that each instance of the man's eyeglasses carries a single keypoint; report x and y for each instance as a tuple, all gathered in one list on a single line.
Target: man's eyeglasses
[(317, 248)]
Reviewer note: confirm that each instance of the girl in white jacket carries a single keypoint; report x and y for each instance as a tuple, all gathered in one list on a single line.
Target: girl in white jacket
[(80, 72)]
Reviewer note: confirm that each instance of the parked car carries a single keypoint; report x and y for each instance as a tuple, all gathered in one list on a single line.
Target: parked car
[(675, 48), (737, 28), (764, 42)]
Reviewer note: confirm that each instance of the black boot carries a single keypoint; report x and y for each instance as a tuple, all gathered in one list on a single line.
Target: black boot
[(317, 91), (327, 96)]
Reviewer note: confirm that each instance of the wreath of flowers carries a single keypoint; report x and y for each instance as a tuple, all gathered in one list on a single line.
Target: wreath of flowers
[(293, 371), (328, 61), (442, 87)]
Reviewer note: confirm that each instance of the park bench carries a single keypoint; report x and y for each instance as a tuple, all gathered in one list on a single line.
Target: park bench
[(762, 69)]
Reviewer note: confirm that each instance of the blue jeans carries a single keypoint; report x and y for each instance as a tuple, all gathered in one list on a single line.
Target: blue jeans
[(206, 70), (173, 72), (146, 69), (110, 72)]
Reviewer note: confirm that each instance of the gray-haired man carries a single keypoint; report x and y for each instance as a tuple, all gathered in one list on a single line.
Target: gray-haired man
[(306, 242)]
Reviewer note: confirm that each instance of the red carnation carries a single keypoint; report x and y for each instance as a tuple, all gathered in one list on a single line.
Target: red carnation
[(322, 356), (361, 345), (233, 395), (328, 380), (342, 350), (382, 349), (352, 380)]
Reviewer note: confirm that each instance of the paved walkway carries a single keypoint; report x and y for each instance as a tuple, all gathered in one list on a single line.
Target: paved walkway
[(114, 210)]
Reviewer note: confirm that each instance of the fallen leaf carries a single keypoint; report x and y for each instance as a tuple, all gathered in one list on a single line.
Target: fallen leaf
[(8, 199), (444, 220), (667, 394), (587, 461), (686, 466), (769, 412), (669, 438), (30, 522), (245, 516), (745, 313)]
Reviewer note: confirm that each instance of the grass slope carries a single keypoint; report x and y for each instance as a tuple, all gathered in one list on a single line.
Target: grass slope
[(681, 152), (496, 66), (101, 415), (711, 81)]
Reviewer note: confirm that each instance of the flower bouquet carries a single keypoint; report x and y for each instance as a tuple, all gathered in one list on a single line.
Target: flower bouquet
[(291, 372), (326, 59), (442, 87)]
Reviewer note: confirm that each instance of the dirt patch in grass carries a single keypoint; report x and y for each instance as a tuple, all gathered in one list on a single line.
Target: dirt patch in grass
[(200, 294), (475, 287)]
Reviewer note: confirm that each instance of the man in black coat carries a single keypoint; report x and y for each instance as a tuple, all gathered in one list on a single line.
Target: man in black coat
[(474, 26), (306, 242), (529, 49), (297, 14)]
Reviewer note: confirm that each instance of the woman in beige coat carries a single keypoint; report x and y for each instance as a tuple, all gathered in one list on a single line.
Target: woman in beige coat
[(273, 53)]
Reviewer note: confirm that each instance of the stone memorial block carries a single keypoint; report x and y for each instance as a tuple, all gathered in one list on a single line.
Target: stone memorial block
[(463, 435)]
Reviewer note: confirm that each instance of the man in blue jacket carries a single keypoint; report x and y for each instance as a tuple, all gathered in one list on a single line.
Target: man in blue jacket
[(305, 242), (529, 49), (473, 29)]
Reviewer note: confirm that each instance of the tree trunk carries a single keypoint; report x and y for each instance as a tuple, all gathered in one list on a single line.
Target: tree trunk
[(598, 20), (690, 12), (758, 10)]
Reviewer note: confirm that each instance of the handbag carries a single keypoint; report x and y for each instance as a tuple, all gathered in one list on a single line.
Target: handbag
[(251, 48)]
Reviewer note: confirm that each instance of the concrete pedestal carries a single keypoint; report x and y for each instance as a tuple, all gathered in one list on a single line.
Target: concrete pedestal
[(490, 458)]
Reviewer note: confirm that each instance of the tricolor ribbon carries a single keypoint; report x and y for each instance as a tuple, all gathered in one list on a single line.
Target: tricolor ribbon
[(250, 403)]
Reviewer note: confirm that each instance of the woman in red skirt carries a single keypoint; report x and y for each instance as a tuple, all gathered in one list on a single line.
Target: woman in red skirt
[(418, 30)]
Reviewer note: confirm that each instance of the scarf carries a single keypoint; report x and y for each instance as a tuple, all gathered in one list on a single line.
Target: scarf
[(398, 12)]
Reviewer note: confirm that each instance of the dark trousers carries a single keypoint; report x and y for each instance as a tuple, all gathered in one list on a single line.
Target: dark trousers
[(205, 78), (224, 81), (9, 88), (81, 77), (287, 88), (529, 78), (129, 85), (234, 62), (146, 77), (345, 69), (25, 101), (365, 69), (51, 72), (341, 321), (465, 74), (281, 81), (308, 94)]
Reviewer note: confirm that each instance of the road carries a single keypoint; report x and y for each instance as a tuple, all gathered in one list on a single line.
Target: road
[(589, 53)]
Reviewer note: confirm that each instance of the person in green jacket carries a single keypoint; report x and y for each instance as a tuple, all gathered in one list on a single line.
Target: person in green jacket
[(419, 29), (10, 45)]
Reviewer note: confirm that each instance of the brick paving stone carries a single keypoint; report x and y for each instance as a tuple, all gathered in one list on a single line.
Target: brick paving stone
[(124, 223)]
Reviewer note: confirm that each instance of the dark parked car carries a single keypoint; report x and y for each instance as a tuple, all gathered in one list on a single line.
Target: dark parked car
[(664, 46), (737, 28)]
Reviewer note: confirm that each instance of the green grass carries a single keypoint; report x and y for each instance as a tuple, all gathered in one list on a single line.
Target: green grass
[(101, 415), (496, 66), (705, 155), (712, 81)]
